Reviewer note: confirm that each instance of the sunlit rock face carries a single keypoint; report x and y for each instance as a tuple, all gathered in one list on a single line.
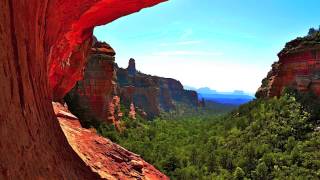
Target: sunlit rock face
[(95, 97), (151, 94), (43, 50), (105, 87), (298, 67), (104, 157)]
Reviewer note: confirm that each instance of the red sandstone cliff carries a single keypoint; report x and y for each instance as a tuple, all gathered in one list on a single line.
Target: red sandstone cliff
[(94, 98), (298, 67), (44, 45), (152, 94)]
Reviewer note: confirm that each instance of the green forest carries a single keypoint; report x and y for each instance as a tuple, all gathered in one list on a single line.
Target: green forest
[(264, 139)]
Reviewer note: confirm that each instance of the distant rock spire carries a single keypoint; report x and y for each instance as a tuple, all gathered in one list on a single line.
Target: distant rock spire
[(132, 67)]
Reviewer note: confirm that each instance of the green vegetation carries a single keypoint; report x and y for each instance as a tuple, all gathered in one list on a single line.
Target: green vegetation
[(308, 41), (264, 139)]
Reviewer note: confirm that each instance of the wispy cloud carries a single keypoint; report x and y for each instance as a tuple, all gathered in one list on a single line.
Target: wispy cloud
[(189, 53), (181, 43)]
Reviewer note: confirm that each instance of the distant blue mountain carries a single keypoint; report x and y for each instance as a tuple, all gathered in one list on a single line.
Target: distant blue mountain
[(236, 97), (233, 99), (206, 90)]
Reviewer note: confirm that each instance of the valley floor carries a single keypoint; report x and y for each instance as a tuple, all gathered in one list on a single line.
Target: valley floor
[(264, 139)]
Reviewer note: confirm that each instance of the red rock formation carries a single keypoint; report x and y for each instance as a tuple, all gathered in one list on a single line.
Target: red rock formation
[(149, 101), (94, 97), (43, 45), (132, 71), (107, 159), (103, 49), (76, 21), (152, 94), (298, 67), (132, 112), (114, 113)]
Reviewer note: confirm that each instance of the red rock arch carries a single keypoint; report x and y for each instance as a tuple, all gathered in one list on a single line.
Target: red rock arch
[(43, 45)]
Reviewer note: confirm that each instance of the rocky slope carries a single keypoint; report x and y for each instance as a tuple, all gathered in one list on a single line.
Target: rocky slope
[(151, 94), (298, 67), (108, 159), (43, 48)]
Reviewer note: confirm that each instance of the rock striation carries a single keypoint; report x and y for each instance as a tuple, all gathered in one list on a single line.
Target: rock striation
[(104, 157), (95, 97), (43, 50), (298, 67), (72, 25), (151, 94)]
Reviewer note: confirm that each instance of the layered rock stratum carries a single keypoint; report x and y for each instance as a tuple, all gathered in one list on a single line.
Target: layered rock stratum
[(152, 94), (104, 157), (95, 97), (44, 45), (298, 67)]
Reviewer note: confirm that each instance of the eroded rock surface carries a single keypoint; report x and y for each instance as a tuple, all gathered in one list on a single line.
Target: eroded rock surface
[(69, 35), (95, 97), (152, 94), (105, 87), (108, 159), (43, 47), (298, 67)]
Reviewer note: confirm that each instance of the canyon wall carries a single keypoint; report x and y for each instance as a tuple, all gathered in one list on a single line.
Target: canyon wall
[(95, 97), (44, 45), (298, 67), (151, 94)]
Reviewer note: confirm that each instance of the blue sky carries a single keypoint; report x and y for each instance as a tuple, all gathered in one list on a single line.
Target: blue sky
[(222, 44)]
